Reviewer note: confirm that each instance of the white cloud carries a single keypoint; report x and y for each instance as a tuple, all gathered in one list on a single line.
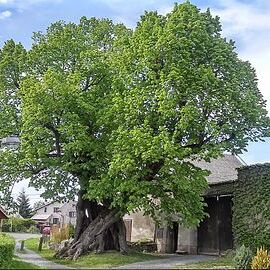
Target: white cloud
[(249, 24), (165, 9), (5, 14), (6, 1), (241, 17)]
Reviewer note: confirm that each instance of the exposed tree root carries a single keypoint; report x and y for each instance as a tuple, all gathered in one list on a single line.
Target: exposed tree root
[(98, 229)]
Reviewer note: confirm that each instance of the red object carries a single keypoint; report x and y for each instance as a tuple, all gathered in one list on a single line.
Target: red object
[(46, 231), (3, 215)]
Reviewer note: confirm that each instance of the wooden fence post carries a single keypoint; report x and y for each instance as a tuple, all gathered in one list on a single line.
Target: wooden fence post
[(22, 245), (40, 243)]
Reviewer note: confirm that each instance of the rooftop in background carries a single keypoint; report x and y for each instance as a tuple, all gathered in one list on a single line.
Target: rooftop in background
[(223, 169), (3, 214), (10, 142)]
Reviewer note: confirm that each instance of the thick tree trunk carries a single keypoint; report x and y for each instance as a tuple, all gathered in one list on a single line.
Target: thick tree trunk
[(98, 229)]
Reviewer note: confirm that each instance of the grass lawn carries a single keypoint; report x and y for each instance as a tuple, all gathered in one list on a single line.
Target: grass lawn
[(219, 263), (17, 264), (104, 260)]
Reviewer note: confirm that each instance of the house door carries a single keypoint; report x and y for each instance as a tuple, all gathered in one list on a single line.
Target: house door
[(172, 238), (215, 231)]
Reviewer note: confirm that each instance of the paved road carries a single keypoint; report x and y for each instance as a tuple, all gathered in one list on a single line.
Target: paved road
[(32, 257), (169, 262), (23, 236)]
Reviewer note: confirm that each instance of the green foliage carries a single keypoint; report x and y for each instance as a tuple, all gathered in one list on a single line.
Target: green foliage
[(251, 207), (23, 203), (13, 62), (18, 264), (17, 225), (182, 94), (71, 230), (122, 113), (243, 257), (261, 260), (33, 229), (7, 246)]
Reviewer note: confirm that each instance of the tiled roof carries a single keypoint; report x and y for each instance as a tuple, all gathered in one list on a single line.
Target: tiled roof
[(223, 169)]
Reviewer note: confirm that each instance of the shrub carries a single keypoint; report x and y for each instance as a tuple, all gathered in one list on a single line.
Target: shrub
[(7, 246), (15, 224), (71, 230), (33, 229), (261, 260), (243, 257)]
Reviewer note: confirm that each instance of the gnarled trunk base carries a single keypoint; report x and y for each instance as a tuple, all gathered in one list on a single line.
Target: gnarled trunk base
[(98, 229)]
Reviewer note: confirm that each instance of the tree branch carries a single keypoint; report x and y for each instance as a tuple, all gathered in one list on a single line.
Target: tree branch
[(57, 139)]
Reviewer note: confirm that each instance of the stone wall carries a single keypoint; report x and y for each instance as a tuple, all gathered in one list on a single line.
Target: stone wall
[(251, 211)]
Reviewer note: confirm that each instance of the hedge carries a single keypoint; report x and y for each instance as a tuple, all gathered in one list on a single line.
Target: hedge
[(251, 210), (7, 246), (17, 225)]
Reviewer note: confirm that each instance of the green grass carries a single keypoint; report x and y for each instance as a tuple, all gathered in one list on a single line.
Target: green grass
[(218, 263), (17, 264), (104, 260)]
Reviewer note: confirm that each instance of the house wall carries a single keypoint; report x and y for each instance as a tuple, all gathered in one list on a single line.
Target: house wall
[(49, 207), (65, 209), (62, 215), (143, 227), (187, 240)]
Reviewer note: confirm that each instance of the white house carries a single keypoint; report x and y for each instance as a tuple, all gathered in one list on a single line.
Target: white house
[(56, 213)]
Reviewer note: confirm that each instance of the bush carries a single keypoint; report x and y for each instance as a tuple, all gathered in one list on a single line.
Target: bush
[(261, 260), (7, 246), (15, 224), (71, 230), (33, 229), (243, 257)]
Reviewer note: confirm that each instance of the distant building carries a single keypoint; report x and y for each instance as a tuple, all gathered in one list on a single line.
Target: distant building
[(3, 215), (10, 142), (56, 213)]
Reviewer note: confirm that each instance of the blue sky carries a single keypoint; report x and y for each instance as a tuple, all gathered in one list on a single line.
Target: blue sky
[(245, 21)]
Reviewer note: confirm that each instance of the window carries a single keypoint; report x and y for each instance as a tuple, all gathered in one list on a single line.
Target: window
[(55, 209), (45, 210), (55, 220), (71, 214)]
